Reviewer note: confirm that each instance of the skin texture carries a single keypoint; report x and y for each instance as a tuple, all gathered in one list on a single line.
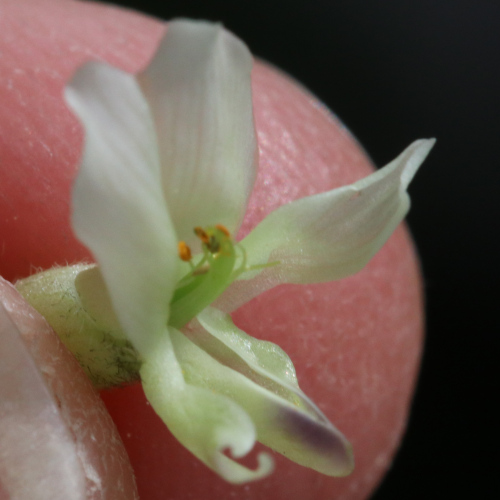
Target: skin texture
[(98, 450), (356, 343)]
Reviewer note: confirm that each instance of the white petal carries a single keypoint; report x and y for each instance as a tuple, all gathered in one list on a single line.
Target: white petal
[(260, 377), (118, 207), (38, 456), (206, 423), (198, 86), (328, 236)]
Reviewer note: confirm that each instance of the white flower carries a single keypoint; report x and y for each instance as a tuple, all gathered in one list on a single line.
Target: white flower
[(172, 150)]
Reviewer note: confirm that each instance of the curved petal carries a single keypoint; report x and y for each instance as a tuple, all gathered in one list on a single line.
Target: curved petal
[(198, 86), (204, 422), (328, 236), (261, 378), (118, 207)]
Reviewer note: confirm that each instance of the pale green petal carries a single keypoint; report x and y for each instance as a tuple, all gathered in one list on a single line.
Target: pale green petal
[(260, 377), (198, 87), (119, 211), (328, 236), (206, 423)]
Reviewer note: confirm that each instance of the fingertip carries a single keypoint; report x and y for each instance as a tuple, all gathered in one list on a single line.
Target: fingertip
[(55, 432)]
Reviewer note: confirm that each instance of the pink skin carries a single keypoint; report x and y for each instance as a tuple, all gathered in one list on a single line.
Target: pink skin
[(356, 343)]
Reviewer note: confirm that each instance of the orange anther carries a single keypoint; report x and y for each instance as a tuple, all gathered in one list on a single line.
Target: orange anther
[(224, 229), (184, 251), (200, 232)]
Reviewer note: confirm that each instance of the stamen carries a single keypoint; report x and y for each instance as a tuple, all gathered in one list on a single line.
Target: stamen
[(200, 232), (210, 274), (209, 237), (224, 229), (222, 261), (184, 251)]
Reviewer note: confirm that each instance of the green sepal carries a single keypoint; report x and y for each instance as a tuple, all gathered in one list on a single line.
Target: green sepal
[(75, 303)]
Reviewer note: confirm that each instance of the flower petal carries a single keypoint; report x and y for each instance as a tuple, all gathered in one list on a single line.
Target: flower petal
[(204, 422), (118, 207), (198, 87), (327, 236), (260, 377)]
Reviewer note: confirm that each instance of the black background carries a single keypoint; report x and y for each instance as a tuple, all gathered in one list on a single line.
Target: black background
[(395, 71)]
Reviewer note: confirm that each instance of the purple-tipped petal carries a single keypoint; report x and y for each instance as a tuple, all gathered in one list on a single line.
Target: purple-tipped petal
[(260, 377), (205, 422)]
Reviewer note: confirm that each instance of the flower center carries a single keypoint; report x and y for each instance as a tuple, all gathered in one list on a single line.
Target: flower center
[(215, 269), (209, 277)]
